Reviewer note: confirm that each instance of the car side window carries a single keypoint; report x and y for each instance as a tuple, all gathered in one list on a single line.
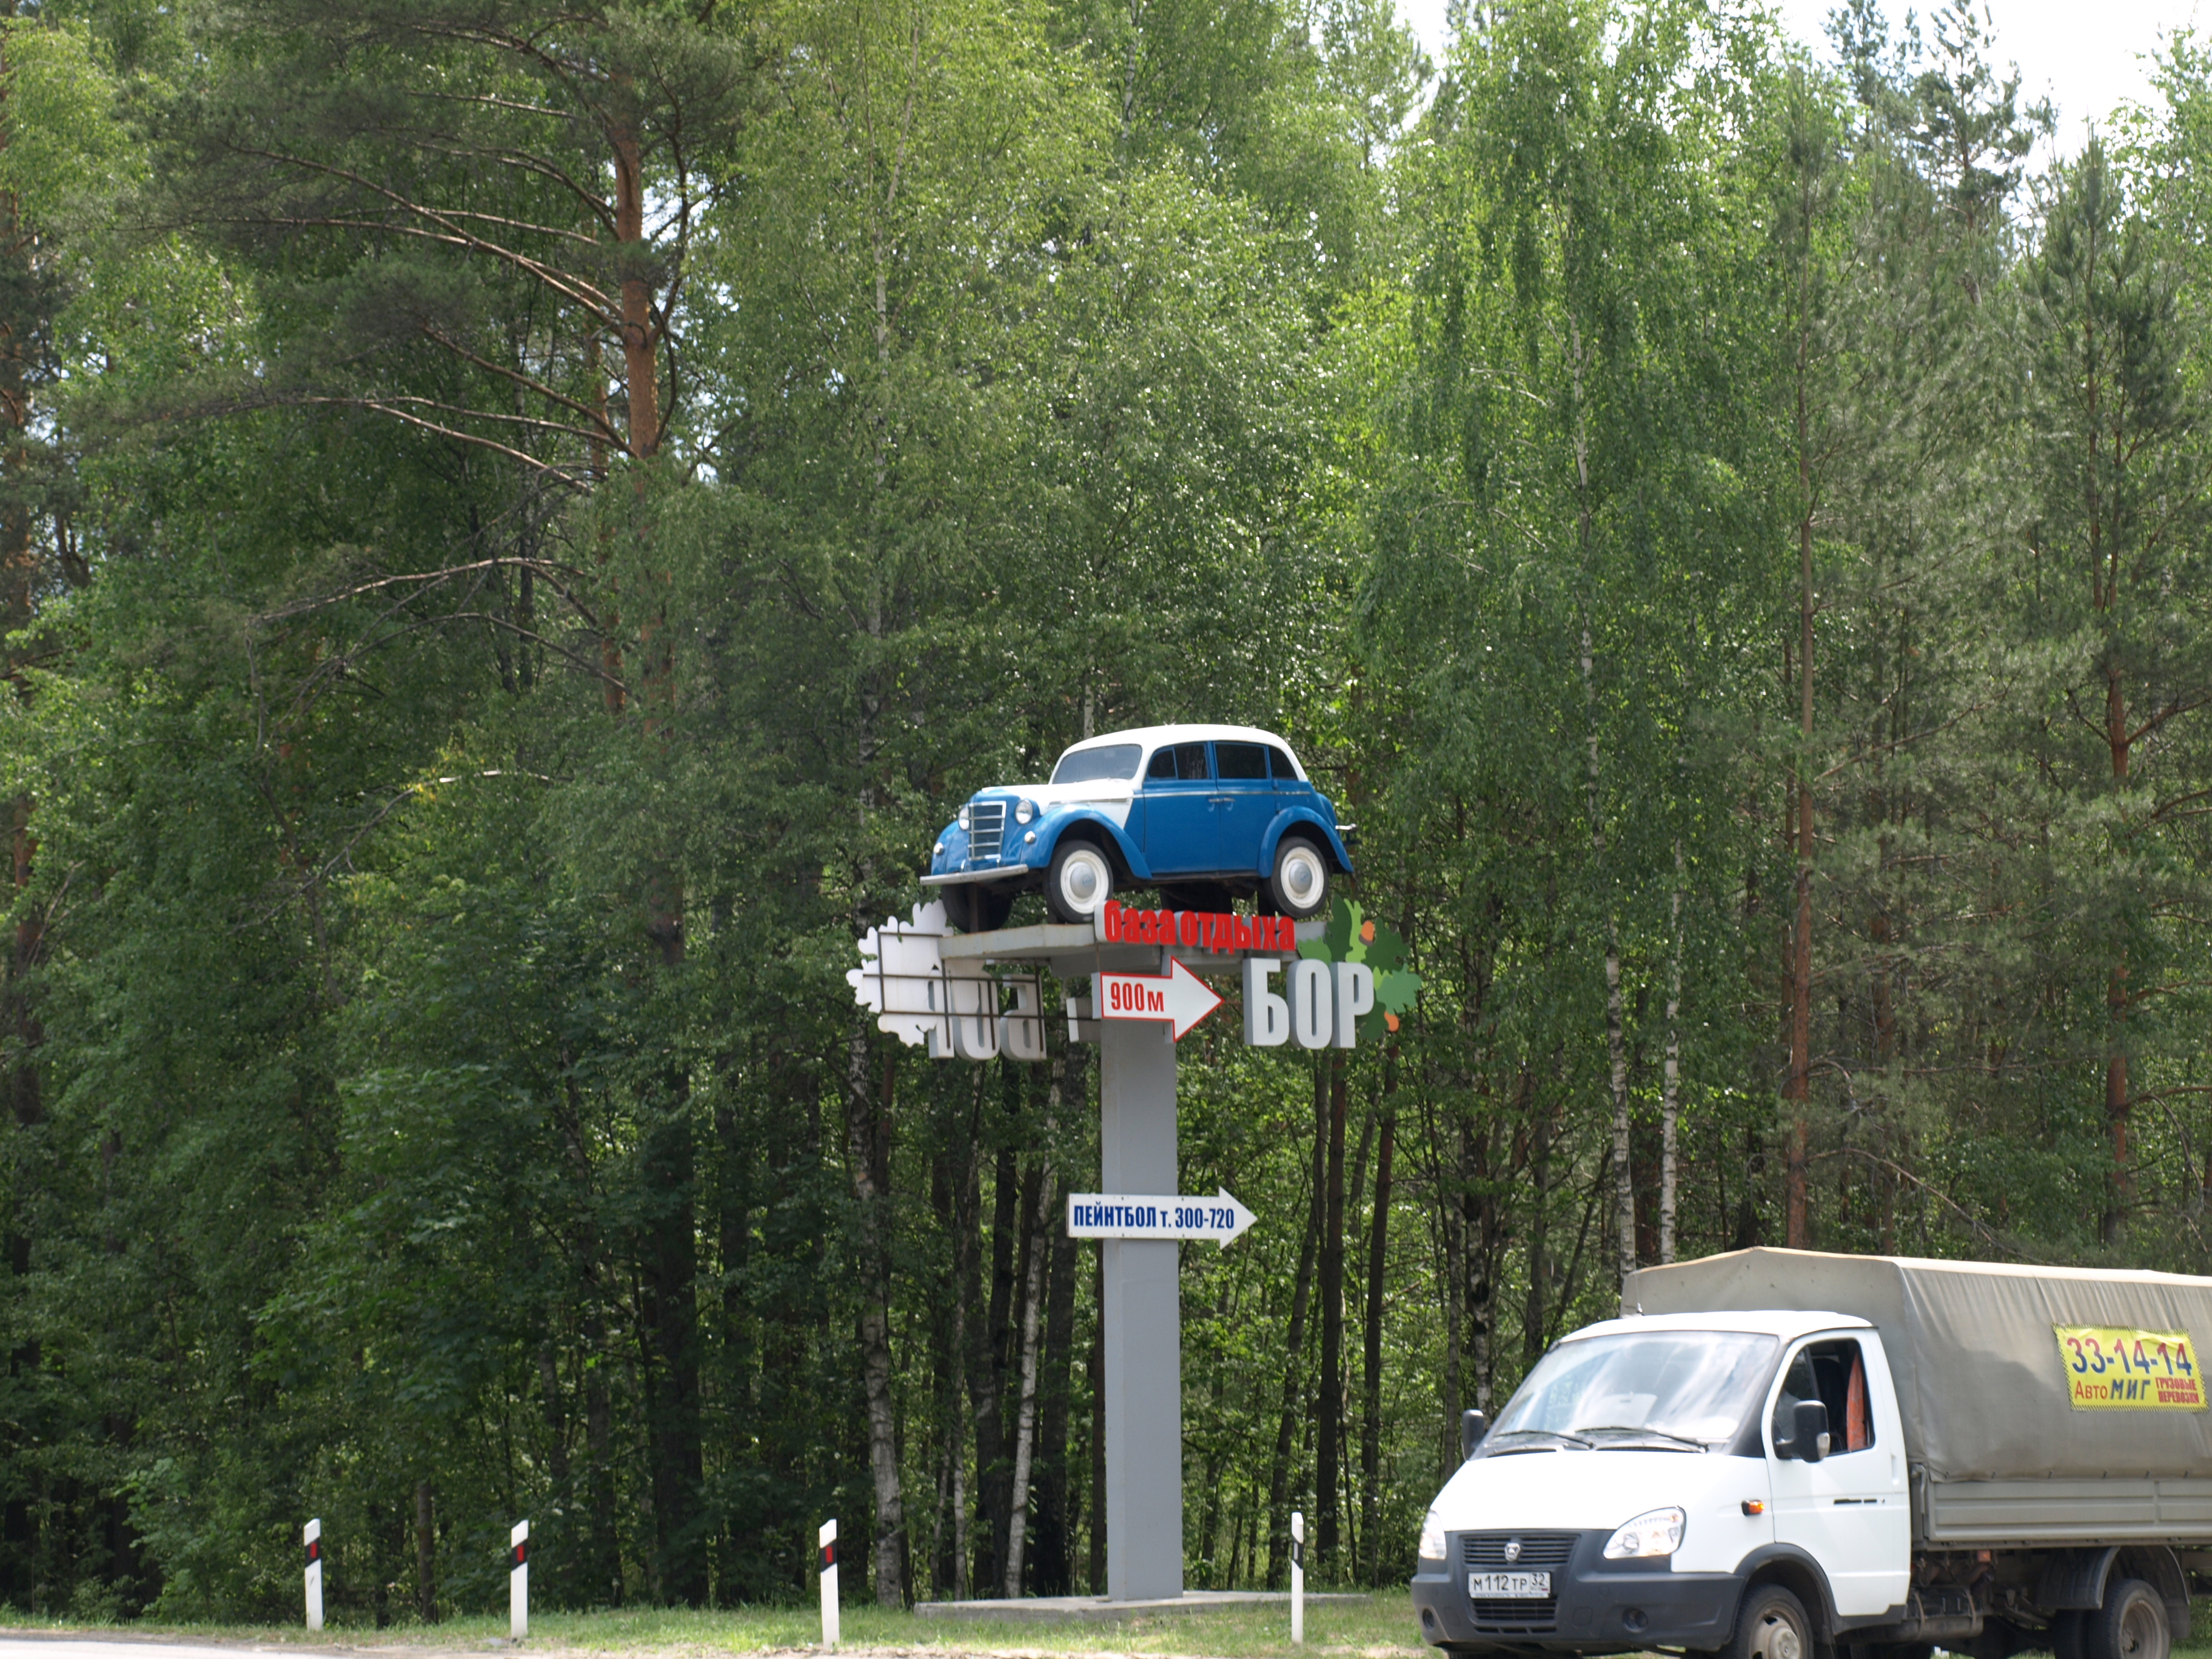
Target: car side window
[(1833, 1373), (1285, 772), (1185, 762), (1241, 763)]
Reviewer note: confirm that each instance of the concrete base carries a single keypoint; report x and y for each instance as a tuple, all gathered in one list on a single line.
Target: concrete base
[(1097, 1607)]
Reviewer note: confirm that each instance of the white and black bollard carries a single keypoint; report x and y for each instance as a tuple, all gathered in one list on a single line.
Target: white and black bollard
[(1298, 1578), (312, 1536), (518, 1583), (827, 1539)]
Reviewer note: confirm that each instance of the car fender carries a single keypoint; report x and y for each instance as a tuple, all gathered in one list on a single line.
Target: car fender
[(1132, 861), (1796, 1571), (1302, 817)]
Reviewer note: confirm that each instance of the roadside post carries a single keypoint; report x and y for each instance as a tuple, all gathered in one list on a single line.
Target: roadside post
[(1298, 1578), (518, 1583), (312, 1536), (828, 1540), (1147, 974)]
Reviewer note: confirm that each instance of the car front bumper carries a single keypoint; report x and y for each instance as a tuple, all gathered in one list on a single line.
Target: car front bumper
[(1598, 1607)]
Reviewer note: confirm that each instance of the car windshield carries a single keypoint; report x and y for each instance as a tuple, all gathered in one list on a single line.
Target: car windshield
[(1109, 762), (1680, 1386)]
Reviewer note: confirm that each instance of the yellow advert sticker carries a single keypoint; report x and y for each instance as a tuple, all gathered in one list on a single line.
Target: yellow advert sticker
[(2108, 1369)]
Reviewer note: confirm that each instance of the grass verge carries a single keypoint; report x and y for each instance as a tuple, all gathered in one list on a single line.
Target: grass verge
[(1377, 1626)]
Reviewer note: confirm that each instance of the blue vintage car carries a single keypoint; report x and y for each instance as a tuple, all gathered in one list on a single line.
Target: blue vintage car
[(1204, 813)]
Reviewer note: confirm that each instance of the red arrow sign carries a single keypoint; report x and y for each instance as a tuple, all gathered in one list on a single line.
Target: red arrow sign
[(1180, 997)]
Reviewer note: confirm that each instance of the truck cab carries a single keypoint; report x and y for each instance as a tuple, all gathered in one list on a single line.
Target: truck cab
[(1655, 1481)]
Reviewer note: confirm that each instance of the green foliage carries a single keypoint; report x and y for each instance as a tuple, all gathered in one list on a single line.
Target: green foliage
[(1351, 936)]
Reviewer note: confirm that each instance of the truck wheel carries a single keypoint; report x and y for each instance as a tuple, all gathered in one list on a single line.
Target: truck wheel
[(1771, 1625), (1299, 885), (2131, 1624), (1080, 880)]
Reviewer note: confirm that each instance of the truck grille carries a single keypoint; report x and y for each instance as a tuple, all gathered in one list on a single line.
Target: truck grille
[(987, 830), (1541, 1552)]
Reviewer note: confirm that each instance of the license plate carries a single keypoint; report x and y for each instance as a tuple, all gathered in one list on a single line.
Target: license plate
[(1510, 1586)]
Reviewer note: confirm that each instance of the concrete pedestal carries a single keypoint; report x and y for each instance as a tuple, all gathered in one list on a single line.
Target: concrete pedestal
[(1144, 1320)]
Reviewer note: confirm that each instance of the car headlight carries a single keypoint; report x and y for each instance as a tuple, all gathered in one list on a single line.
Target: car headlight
[(1024, 811), (1654, 1533), (1432, 1537), (963, 819)]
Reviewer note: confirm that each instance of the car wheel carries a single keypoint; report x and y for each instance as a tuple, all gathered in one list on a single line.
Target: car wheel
[(1080, 880), (974, 909), (2131, 1624), (1298, 886), (1771, 1625)]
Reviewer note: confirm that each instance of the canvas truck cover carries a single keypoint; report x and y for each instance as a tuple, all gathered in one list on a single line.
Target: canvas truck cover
[(1981, 1371)]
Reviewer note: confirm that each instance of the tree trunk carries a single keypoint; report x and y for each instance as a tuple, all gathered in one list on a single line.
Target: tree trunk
[(1286, 1421), (1097, 1497), (426, 1557), (862, 1135), (1799, 1089), (1052, 1557), (1038, 1243), (1328, 1426), (640, 337), (1540, 1229), (1371, 1427), (2116, 996), (1623, 1175), (671, 1316), (1670, 1088), (987, 1367), (603, 1575)]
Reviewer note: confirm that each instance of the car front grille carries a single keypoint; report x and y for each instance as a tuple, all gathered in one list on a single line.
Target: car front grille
[(1541, 1552), (987, 830)]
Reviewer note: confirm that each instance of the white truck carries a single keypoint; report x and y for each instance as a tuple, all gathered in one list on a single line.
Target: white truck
[(1781, 1454)]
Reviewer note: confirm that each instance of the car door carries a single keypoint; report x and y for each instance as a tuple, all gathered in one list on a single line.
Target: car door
[(1180, 834), (1245, 799), (1848, 1510)]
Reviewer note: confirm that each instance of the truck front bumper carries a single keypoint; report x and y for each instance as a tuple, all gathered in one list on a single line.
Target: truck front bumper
[(1597, 1607)]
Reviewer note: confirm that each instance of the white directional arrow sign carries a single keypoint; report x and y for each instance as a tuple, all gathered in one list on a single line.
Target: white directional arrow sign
[(1119, 1215), (1179, 996)]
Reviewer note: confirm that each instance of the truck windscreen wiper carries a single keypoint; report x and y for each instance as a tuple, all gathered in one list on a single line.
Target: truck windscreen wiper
[(1653, 1434), (1548, 1434)]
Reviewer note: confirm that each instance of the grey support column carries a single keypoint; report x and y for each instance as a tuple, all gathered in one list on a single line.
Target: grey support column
[(1143, 1318)]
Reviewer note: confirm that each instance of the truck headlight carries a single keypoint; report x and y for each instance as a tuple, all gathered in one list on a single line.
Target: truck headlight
[(1432, 1537), (963, 817), (1024, 811), (1654, 1533)]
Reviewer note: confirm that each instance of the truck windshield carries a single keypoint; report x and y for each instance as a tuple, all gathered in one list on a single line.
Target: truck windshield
[(1109, 762), (1690, 1387)]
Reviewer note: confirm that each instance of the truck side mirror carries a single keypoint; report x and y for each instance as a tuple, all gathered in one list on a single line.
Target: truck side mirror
[(1473, 1426), (1811, 1423)]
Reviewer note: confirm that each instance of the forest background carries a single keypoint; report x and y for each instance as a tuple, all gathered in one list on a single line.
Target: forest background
[(520, 519)]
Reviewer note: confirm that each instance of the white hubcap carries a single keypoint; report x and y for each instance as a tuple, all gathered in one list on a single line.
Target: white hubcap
[(1301, 877), (1082, 881)]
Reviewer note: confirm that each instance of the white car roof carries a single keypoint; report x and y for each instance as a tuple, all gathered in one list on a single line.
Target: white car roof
[(1152, 737), (1786, 1323)]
